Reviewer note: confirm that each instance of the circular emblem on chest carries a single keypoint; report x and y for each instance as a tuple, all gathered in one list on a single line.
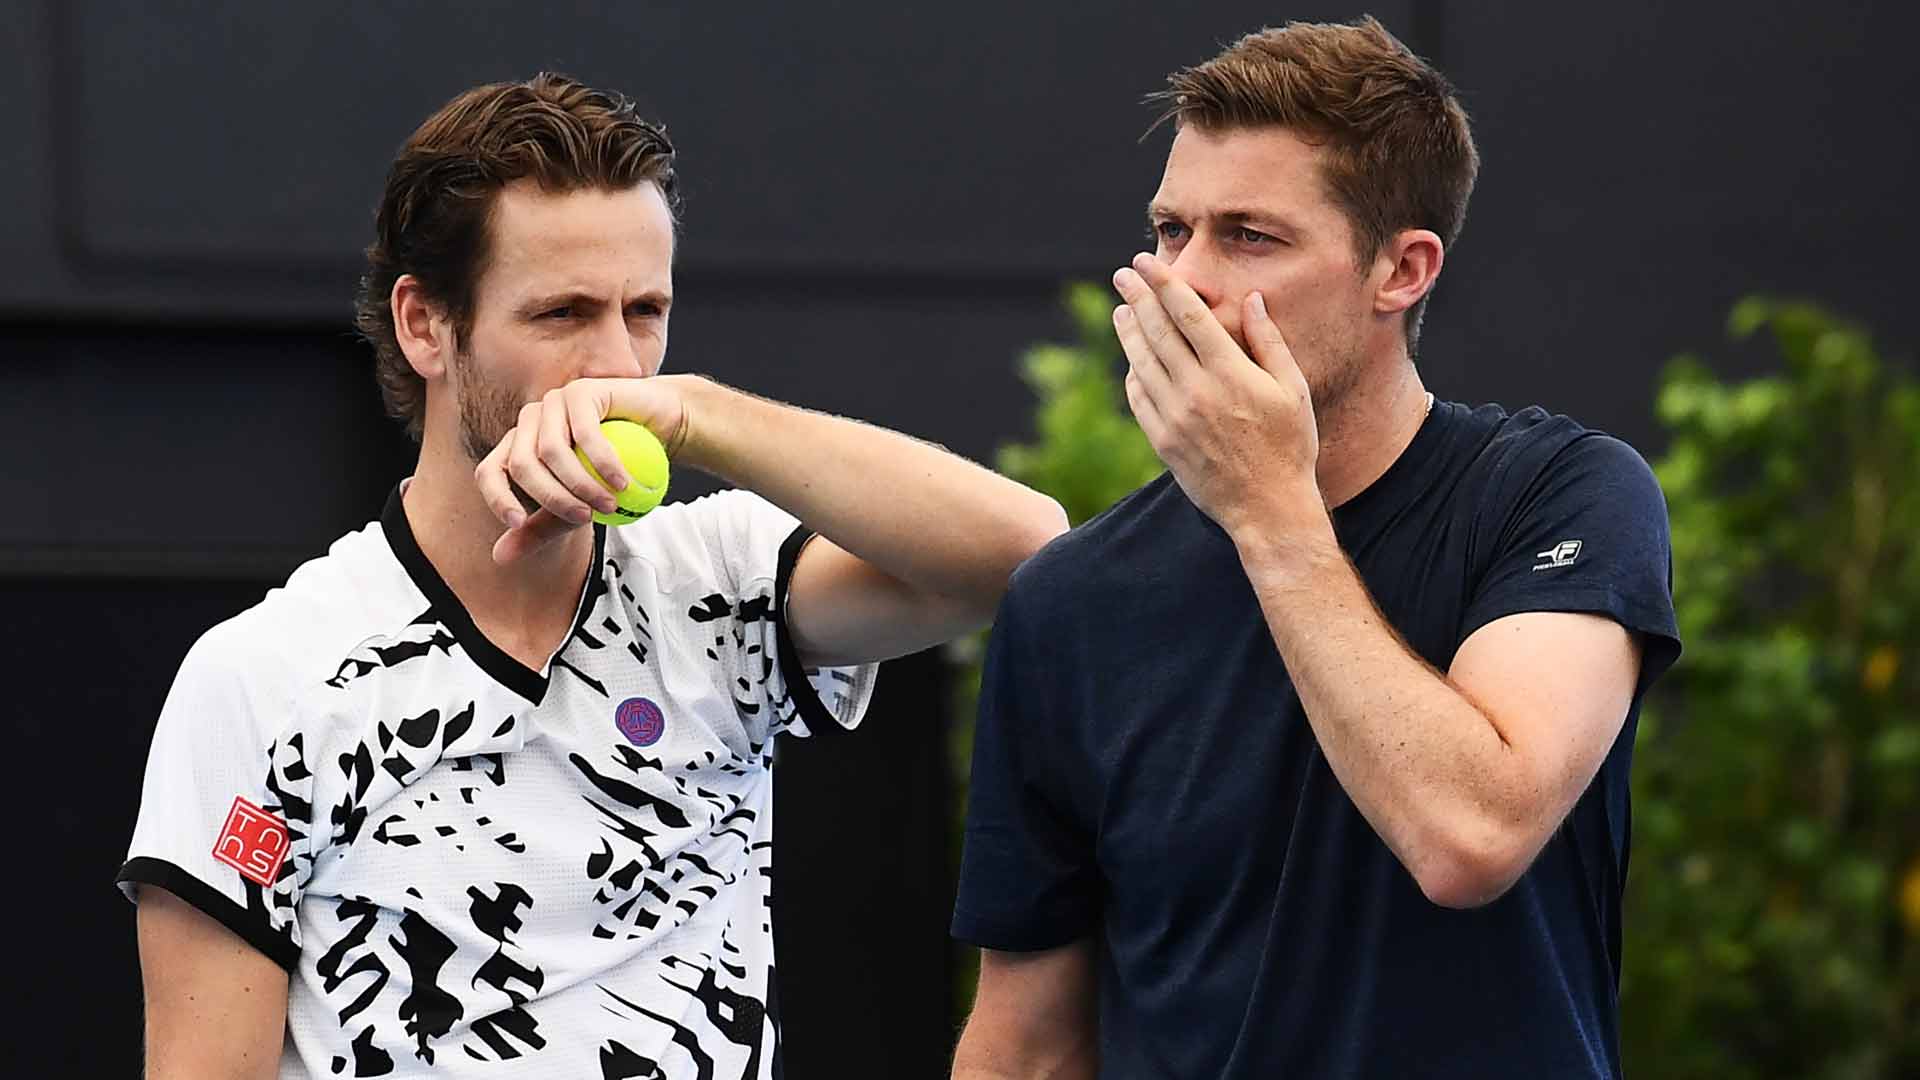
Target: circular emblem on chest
[(640, 721)]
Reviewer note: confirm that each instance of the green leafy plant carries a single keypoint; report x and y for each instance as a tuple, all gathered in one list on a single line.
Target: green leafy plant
[(1773, 900)]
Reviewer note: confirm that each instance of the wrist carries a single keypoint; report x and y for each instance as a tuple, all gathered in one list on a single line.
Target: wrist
[(1287, 541), (705, 414)]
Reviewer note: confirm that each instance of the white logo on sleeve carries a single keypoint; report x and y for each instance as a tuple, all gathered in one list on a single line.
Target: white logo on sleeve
[(1560, 554)]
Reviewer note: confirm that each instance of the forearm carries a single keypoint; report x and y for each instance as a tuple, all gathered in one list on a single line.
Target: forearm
[(930, 518), (1026, 1049), (1430, 771), (968, 1065), (215, 1006), (1032, 1044)]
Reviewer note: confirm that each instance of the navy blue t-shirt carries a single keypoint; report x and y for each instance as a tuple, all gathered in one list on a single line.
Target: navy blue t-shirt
[(1144, 775)]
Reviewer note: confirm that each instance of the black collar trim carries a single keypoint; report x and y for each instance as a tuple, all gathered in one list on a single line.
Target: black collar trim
[(451, 613)]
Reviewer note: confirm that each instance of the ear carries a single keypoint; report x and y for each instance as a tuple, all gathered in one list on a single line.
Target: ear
[(1406, 268), (420, 326)]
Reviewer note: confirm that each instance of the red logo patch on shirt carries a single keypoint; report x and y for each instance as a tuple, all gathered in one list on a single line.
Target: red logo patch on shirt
[(254, 842)]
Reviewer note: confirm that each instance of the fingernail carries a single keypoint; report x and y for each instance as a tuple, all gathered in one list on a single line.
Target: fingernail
[(1259, 305), (515, 519), (580, 516), (1122, 314), (1140, 261), (1120, 277)]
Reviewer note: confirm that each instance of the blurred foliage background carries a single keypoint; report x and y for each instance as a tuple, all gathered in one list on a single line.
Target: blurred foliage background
[(1773, 895)]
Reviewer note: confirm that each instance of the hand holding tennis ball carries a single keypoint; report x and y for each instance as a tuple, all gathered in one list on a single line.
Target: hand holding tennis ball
[(542, 493), (646, 463)]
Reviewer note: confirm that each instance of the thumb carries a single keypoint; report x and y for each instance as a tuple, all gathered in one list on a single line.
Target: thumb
[(535, 533), (1264, 339)]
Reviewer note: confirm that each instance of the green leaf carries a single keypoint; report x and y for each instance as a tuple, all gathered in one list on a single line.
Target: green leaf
[(1749, 315)]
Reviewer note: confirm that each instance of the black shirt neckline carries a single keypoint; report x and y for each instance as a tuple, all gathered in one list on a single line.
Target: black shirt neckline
[(447, 608), (1411, 472)]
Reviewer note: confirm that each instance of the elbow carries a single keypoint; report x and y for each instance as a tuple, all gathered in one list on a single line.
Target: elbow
[(1474, 868), (1040, 525), (1036, 525)]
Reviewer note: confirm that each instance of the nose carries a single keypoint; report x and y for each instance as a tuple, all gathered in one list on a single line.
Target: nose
[(1204, 268), (614, 353), (1198, 264)]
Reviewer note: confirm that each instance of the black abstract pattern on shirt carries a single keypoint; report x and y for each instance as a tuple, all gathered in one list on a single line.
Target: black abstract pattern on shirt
[(407, 770)]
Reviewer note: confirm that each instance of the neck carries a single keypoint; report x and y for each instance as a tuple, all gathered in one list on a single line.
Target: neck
[(1367, 429), (515, 605)]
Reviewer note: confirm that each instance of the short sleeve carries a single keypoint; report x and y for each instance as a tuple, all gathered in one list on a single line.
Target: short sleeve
[(1587, 534), (1027, 875), (221, 824), (759, 545)]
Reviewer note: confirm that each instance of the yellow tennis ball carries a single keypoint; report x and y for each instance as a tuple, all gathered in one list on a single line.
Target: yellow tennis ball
[(646, 463)]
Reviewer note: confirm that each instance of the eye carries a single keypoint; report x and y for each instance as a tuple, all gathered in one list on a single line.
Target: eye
[(644, 310), (1251, 236), (1168, 231), (564, 311)]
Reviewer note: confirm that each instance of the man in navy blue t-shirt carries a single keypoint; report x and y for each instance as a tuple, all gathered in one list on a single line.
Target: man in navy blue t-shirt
[(1309, 759)]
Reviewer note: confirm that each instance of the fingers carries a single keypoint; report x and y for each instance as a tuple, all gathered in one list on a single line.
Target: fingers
[(554, 448), (1265, 341), (1142, 361), (583, 417), (1186, 316), (533, 534), (526, 467), (1167, 345), (538, 457), (1145, 411), (496, 490)]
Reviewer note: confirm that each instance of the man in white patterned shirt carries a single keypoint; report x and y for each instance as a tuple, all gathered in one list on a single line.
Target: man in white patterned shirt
[(487, 788)]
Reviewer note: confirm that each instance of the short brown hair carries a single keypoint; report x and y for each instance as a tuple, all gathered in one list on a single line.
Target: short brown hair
[(1400, 154), (433, 216)]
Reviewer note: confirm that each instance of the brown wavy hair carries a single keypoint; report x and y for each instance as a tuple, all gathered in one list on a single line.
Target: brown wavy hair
[(433, 216), (1399, 151)]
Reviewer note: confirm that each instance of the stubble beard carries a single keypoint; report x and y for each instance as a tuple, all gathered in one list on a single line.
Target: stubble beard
[(1338, 368), (488, 410)]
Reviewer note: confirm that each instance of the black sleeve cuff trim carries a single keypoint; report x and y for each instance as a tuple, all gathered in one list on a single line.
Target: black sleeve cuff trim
[(820, 722), (276, 946)]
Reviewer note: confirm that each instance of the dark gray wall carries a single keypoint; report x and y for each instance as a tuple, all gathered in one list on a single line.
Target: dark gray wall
[(882, 202), (1645, 163)]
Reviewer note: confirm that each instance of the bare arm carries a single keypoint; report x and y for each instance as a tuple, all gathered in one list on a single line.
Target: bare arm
[(216, 1007), (1464, 776), (916, 543), (1033, 1018)]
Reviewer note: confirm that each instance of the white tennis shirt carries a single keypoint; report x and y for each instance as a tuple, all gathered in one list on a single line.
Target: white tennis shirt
[(470, 868)]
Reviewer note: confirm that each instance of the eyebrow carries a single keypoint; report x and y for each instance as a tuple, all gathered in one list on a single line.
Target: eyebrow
[(578, 298), (1232, 216)]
